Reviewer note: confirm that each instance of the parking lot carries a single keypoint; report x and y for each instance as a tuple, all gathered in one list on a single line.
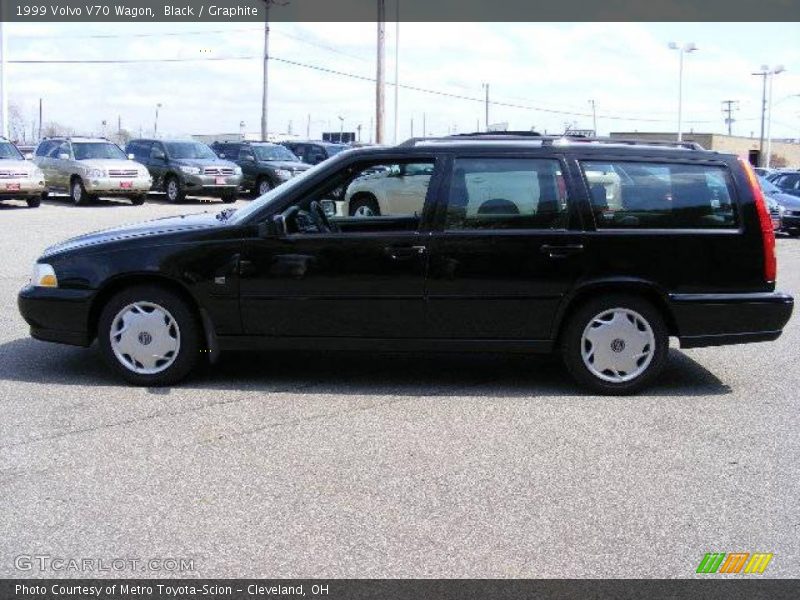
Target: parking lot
[(347, 465)]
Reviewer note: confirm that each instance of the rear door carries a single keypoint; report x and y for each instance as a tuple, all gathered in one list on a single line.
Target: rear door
[(508, 247)]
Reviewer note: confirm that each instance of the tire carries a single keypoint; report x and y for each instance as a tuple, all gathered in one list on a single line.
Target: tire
[(623, 326), (263, 185), (364, 205), (34, 201), (138, 200), (177, 340), (174, 190), (78, 193), (230, 197)]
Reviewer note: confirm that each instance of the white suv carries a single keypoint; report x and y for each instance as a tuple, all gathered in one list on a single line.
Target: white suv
[(19, 178), (396, 190)]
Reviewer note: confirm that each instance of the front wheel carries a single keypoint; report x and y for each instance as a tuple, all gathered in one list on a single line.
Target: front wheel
[(263, 186), (364, 206), (230, 197), (80, 197), (173, 189), (34, 201), (138, 200), (149, 336), (616, 344)]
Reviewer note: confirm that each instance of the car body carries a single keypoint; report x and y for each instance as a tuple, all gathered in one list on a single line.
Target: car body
[(86, 168), (314, 152), (182, 168), (787, 181), (386, 191), (786, 205), (264, 165), (688, 252), (20, 179)]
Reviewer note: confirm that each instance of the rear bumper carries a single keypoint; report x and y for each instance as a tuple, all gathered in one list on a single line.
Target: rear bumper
[(57, 315), (721, 319)]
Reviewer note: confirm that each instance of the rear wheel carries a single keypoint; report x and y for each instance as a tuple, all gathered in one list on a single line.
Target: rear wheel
[(149, 336), (172, 187), (34, 201), (364, 205), (78, 193), (616, 344)]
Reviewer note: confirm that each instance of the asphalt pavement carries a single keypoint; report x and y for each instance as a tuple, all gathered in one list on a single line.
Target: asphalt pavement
[(348, 465)]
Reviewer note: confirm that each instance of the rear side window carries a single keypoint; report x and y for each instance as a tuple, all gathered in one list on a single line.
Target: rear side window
[(43, 148), (650, 195), (506, 193)]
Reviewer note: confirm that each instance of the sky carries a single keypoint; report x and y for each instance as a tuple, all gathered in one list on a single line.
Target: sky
[(538, 72)]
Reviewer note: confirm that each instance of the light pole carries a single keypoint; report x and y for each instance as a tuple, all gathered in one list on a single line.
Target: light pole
[(682, 49), (594, 116), (341, 128), (485, 87), (155, 125), (765, 73), (776, 71)]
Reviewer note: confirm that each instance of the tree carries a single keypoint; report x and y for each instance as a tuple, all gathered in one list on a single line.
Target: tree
[(16, 123), (122, 137), (52, 129), (777, 161)]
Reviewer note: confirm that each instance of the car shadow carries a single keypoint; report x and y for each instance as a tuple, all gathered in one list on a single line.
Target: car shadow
[(160, 198), (102, 202), (423, 375), (13, 204)]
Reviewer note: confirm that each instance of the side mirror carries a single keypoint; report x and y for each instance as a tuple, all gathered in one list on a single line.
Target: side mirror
[(159, 156), (63, 156), (28, 156), (131, 157), (274, 227)]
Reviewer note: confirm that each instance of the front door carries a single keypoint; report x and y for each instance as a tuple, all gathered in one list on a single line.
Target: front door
[(504, 254), (363, 279)]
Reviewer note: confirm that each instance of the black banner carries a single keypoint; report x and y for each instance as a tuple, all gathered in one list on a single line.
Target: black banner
[(409, 10), (399, 589)]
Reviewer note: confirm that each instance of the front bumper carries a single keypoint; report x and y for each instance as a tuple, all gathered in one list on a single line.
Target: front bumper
[(721, 319), (56, 314), (121, 186), (16, 188), (211, 185), (790, 222)]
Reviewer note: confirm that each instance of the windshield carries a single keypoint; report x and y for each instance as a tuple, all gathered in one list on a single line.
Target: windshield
[(274, 153), (768, 187), (334, 150), (8, 151), (88, 151), (262, 202), (181, 150)]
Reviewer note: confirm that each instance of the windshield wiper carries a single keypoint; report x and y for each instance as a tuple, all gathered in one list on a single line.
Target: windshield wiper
[(224, 215)]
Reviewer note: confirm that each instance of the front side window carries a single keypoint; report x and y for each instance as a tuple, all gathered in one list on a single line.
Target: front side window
[(189, 150), (645, 195), (43, 148), (97, 150), (275, 152), (506, 193)]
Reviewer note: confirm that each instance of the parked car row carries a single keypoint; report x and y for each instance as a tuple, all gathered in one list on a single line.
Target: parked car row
[(88, 167)]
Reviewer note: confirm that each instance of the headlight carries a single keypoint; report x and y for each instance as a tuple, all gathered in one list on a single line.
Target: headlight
[(44, 276), (191, 170), (95, 173), (237, 170), (283, 174)]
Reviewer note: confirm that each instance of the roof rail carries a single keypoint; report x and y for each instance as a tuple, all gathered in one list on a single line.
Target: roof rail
[(549, 140)]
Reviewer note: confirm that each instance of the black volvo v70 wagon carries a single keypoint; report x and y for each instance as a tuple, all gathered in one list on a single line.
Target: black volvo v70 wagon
[(598, 249)]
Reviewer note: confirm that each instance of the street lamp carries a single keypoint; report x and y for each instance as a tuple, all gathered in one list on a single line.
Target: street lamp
[(682, 49), (341, 128), (776, 71), (155, 125), (766, 73)]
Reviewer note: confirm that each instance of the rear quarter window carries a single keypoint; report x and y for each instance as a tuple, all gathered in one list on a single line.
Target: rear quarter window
[(652, 195)]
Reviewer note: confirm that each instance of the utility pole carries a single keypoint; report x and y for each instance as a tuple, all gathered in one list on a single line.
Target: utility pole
[(424, 125), (3, 86), (594, 116), (381, 77), (728, 107), (412, 127), (40, 118), (486, 104), (308, 127), (265, 83), (396, 69)]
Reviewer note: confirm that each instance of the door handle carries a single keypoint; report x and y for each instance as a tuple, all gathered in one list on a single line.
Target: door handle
[(404, 252), (555, 251)]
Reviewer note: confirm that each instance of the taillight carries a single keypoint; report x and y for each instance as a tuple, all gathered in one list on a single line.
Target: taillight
[(765, 221)]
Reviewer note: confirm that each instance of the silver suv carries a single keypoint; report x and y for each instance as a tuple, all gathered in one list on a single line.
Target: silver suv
[(19, 178), (89, 167)]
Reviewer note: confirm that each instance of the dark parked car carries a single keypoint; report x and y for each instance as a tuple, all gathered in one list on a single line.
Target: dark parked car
[(185, 167), (788, 207), (264, 165), (787, 181), (313, 153), (600, 250)]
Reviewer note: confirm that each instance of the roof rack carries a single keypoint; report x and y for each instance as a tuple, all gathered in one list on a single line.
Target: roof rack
[(549, 140)]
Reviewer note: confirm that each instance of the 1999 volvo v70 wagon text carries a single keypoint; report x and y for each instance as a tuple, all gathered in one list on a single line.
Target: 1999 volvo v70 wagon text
[(597, 249)]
